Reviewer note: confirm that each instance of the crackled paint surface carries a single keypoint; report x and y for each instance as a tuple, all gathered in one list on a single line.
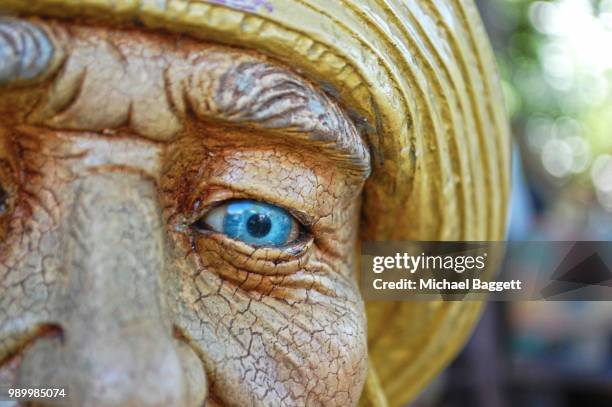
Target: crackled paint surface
[(105, 286)]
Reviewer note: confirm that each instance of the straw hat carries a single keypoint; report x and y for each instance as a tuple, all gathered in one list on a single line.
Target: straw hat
[(422, 78)]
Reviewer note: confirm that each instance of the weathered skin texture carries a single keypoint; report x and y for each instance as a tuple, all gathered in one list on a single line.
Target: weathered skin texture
[(105, 287)]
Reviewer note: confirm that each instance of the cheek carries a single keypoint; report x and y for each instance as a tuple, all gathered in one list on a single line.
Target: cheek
[(301, 342), (29, 250), (304, 344)]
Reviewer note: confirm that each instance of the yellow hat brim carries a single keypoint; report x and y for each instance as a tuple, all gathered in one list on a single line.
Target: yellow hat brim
[(423, 78)]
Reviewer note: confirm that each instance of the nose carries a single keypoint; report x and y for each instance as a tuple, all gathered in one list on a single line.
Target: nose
[(117, 347)]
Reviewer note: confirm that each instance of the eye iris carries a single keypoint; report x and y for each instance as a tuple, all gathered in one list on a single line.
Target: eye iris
[(259, 225)]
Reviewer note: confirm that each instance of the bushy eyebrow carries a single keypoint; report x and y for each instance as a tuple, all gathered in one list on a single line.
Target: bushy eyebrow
[(274, 98), (213, 82)]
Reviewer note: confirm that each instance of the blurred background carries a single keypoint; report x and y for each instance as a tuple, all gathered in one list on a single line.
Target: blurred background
[(555, 59)]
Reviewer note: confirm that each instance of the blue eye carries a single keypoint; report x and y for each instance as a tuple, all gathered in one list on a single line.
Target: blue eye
[(253, 222)]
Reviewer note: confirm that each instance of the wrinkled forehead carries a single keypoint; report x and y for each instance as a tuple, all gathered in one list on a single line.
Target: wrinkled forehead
[(155, 82)]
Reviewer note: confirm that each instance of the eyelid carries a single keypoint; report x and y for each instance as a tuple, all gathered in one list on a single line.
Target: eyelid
[(217, 198), (264, 260)]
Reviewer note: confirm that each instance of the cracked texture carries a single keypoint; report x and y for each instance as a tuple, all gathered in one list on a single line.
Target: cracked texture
[(104, 285)]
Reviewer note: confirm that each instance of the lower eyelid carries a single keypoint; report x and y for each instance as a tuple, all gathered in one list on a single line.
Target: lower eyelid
[(260, 260)]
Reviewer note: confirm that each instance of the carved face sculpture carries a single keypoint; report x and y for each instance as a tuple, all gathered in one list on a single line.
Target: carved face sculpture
[(162, 246), (181, 205)]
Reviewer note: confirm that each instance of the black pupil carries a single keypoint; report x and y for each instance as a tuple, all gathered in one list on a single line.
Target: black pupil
[(259, 225)]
